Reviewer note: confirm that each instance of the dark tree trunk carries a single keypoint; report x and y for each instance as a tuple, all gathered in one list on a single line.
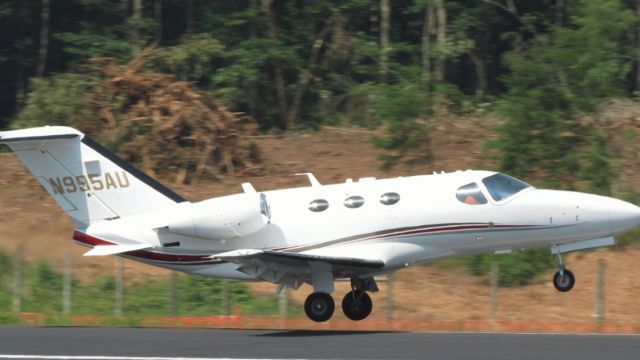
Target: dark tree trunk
[(279, 73), (253, 90), (189, 16), (308, 72), (21, 79), (559, 12), (427, 31), (385, 12), (481, 73), (638, 53), (136, 18), (441, 14), (157, 14), (44, 39)]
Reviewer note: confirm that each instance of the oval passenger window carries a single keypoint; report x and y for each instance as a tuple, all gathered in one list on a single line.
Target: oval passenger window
[(353, 202), (318, 205), (389, 198)]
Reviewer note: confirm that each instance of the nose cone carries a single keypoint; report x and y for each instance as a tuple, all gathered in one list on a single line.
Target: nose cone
[(623, 216)]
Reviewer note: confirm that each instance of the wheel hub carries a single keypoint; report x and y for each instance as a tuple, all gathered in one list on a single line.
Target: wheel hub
[(318, 306), (563, 280)]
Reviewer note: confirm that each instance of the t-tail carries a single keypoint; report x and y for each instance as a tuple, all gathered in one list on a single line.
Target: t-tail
[(90, 183)]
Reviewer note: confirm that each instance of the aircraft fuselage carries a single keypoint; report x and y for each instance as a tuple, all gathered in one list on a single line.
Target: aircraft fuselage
[(427, 223)]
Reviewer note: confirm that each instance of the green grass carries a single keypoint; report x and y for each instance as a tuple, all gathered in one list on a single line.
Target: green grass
[(516, 269), (194, 296)]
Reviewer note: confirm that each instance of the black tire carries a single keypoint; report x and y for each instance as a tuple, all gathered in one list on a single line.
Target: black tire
[(319, 307), (357, 305), (564, 283)]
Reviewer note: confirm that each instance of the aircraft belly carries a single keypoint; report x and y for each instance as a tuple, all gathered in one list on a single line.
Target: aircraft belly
[(443, 245), (223, 270), (516, 239)]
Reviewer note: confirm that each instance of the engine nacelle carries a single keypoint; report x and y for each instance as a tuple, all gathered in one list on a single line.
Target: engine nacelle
[(225, 217)]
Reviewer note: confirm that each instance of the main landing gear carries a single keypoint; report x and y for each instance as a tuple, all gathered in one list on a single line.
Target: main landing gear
[(356, 304), (319, 306), (563, 280)]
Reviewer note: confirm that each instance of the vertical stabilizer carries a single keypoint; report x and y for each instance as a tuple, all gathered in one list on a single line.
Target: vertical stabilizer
[(90, 183)]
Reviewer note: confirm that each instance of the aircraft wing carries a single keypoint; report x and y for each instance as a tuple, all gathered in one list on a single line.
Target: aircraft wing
[(291, 268)]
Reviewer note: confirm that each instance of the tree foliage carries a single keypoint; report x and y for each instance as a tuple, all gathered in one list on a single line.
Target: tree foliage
[(516, 269), (58, 99), (287, 65), (303, 64), (554, 80)]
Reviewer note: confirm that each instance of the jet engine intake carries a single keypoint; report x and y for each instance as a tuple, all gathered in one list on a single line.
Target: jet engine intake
[(223, 218)]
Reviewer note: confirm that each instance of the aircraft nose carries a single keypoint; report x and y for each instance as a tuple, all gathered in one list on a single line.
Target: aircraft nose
[(623, 216)]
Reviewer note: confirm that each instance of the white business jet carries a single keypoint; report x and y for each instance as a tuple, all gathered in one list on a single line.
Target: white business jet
[(315, 234)]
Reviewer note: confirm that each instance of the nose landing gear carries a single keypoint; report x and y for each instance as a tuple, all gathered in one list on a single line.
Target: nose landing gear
[(563, 280)]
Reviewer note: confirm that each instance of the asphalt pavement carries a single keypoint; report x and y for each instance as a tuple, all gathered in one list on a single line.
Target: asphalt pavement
[(145, 343)]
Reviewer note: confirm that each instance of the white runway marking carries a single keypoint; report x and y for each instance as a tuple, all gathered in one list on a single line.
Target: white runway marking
[(93, 357)]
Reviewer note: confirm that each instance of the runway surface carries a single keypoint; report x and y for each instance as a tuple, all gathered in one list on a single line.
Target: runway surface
[(128, 343)]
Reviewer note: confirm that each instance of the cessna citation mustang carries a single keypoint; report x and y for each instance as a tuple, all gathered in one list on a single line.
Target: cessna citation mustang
[(315, 234)]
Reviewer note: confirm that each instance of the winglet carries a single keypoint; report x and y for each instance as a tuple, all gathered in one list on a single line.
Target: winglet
[(248, 188), (311, 177), (103, 250)]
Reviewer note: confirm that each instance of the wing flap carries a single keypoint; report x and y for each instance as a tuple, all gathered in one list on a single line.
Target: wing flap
[(296, 259), (293, 269)]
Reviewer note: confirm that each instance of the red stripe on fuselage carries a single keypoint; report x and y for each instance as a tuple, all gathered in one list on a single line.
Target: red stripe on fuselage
[(142, 254), (404, 232), (89, 240), (447, 228)]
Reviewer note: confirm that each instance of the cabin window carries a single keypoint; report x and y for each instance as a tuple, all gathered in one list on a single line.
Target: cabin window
[(389, 198), (353, 202), (502, 186), (318, 205), (470, 194)]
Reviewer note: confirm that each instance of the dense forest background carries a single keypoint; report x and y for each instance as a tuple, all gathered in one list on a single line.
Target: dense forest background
[(543, 66)]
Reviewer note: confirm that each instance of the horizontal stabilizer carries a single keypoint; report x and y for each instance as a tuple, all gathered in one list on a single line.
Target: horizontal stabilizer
[(103, 250), (45, 133)]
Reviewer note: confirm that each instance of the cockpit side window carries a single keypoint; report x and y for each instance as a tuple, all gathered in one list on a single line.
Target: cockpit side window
[(470, 194), (502, 186)]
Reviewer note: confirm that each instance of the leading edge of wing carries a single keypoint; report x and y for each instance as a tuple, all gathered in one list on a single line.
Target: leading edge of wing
[(296, 259)]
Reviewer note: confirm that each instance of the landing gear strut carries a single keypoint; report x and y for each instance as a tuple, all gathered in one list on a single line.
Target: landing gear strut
[(563, 280), (319, 306)]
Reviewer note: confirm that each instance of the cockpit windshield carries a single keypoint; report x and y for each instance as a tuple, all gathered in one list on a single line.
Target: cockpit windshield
[(502, 186)]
